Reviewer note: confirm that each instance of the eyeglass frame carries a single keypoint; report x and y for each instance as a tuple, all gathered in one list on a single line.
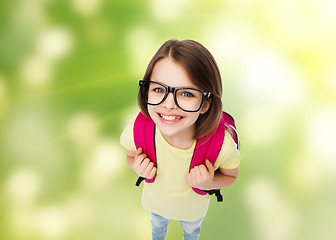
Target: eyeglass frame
[(205, 95)]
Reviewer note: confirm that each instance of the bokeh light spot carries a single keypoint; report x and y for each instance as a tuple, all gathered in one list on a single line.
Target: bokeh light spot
[(23, 186), (167, 11), (52, 222), (86, 8), (105, 163), (55, 43), (37, 71), (83, 129), (266, 75), (141, 55)]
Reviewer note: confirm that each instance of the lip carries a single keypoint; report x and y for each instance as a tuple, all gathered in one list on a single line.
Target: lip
[(170, 118)]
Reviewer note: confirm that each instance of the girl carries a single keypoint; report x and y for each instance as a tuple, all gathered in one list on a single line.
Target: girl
[(181, 92)]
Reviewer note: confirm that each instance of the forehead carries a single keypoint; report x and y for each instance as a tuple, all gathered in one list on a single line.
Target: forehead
[(169, 72)]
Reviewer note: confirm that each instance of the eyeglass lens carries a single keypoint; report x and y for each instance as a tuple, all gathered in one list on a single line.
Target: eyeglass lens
[(186, 98)]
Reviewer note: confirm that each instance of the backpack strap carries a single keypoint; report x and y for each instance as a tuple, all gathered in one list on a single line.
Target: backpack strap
[(230, 123), (144, 128), (208, 148)]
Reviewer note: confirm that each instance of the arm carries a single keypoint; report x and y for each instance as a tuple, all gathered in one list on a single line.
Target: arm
[(140, 163), (204, 177), (224, 178)]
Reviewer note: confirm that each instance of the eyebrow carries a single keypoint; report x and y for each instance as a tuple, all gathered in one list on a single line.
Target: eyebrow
[(175, 86)]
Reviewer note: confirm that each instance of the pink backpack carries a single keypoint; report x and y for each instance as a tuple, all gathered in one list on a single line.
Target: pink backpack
[(206, 147)]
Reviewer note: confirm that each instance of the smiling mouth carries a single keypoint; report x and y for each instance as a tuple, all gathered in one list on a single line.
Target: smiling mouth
[(170, 118)]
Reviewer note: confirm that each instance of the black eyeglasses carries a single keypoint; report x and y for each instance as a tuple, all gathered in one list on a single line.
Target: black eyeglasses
[(187, 99)]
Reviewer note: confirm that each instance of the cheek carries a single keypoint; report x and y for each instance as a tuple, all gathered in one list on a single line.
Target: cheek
[(193, 117), (150, 111)]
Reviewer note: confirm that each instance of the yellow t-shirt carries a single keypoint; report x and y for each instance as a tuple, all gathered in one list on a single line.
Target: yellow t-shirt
[(170, 195)]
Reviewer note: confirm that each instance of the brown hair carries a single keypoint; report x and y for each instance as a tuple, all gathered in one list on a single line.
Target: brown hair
[(203, 72)]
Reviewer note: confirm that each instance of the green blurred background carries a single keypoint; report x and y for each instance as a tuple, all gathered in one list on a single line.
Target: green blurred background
[(68, 84)]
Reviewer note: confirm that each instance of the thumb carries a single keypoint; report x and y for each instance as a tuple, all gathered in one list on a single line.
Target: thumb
[(209, 165), (139, 150)]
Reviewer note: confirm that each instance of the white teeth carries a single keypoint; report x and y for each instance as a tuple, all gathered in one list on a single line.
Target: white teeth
[(170, 118)]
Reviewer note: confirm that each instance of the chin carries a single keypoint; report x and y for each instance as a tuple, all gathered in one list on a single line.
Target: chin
[(173, 122)]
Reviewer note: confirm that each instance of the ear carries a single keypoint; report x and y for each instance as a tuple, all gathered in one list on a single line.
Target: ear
[(206, 106)]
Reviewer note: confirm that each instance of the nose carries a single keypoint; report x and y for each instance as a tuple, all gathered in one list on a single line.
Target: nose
[(169, 102)]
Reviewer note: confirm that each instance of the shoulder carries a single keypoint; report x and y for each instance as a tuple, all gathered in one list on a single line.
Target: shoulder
[(229, 156), (229, 143), (127, 136)]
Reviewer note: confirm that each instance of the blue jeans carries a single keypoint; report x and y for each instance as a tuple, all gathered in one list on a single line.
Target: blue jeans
[(191, 230)]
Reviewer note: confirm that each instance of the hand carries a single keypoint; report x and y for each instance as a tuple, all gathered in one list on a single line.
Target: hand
[(201, 176), (142, 165)]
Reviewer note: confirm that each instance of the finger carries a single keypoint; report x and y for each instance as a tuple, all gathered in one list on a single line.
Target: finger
[(143, 165), (152, 173), (137, 161), (138, 152), (148, 169), (202, 170), (199, 171), (209, 166)]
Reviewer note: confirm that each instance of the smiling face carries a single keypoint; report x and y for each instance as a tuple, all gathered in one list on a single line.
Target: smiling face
[(176, 125), (201, 69)]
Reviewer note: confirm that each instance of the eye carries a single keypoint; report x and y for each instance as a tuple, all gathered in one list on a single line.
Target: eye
[(187, 94), (159, 90)]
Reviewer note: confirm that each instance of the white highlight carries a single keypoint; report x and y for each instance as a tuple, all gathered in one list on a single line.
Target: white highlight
[(55, 43), (231, 42), (36, 71), (52, 222), (267, 76), (106, 158), (166, 11), (106, 162), (330, 77), (142, 45), (52, 44), (321, 135), (326, 10), (23, 186)]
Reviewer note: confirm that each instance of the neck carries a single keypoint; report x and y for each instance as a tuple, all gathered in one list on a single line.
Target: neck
[(180, 144), (182, 141)]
